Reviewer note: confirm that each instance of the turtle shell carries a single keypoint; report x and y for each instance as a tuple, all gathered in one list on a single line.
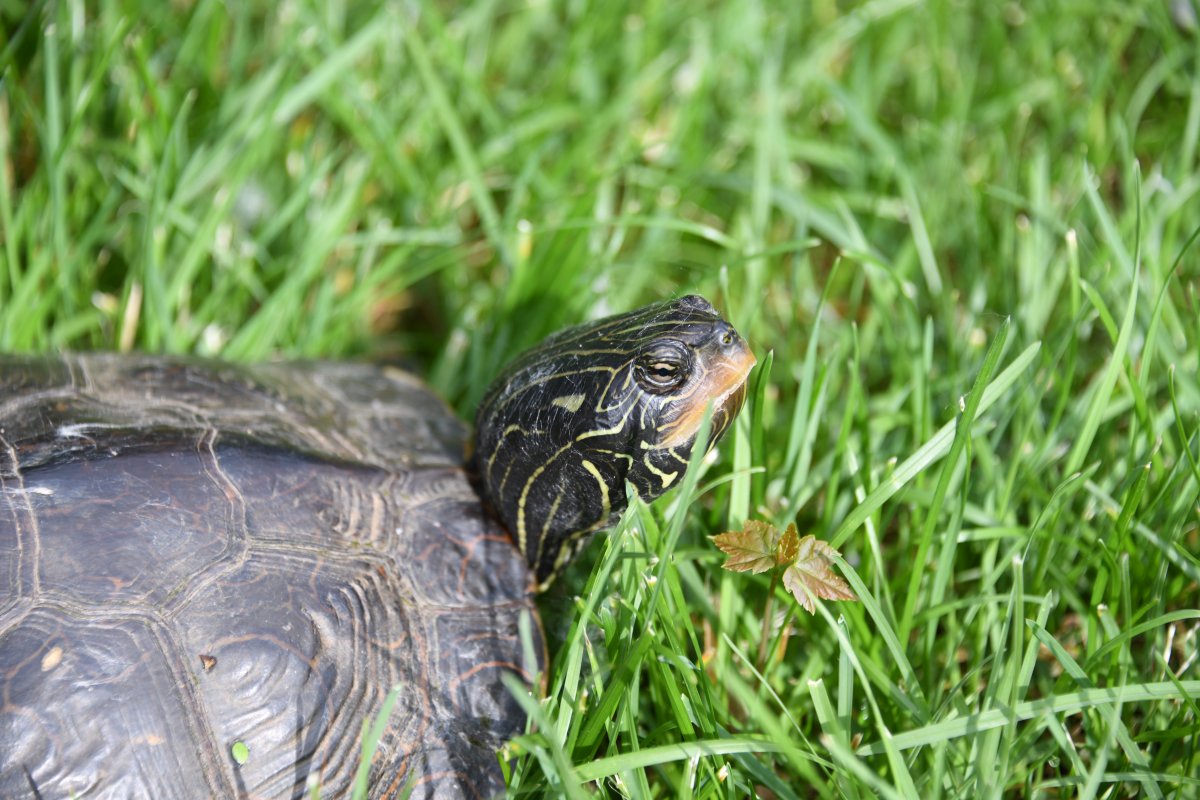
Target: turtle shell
[(211, 575)]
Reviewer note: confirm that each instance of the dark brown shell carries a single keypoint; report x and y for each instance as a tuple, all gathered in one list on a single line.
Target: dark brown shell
[(194, 555)]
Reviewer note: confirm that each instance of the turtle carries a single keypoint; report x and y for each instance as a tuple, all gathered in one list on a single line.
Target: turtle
[(211, 573)]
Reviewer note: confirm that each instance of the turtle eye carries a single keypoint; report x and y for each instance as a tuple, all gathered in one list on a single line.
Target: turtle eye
[(662, 368)]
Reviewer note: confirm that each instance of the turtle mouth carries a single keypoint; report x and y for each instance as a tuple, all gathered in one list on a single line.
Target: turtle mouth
[(725, 413), (724, 382)]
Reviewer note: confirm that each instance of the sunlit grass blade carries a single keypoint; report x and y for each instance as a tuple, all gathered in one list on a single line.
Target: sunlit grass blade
[(372, 733), (1068, 703), (932, 450), (970, 407)]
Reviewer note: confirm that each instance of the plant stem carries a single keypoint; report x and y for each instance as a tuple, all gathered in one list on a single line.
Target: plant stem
[(766, 623)]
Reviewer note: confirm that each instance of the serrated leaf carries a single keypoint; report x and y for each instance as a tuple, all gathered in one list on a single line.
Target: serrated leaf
[(789, 546), (811, 575), (752, 549)]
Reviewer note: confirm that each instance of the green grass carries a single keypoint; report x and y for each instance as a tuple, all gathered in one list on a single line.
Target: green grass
[(956, 235)]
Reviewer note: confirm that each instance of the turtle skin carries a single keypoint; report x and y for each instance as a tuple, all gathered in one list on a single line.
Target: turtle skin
[(199, 557)]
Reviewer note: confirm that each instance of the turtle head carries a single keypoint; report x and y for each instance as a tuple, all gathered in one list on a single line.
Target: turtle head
[(568, 423)]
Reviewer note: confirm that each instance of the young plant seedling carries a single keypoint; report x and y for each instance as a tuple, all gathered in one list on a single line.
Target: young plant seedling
[(805, 563)]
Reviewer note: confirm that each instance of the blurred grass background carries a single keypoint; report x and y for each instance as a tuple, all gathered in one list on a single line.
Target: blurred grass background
[(959, 229)]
